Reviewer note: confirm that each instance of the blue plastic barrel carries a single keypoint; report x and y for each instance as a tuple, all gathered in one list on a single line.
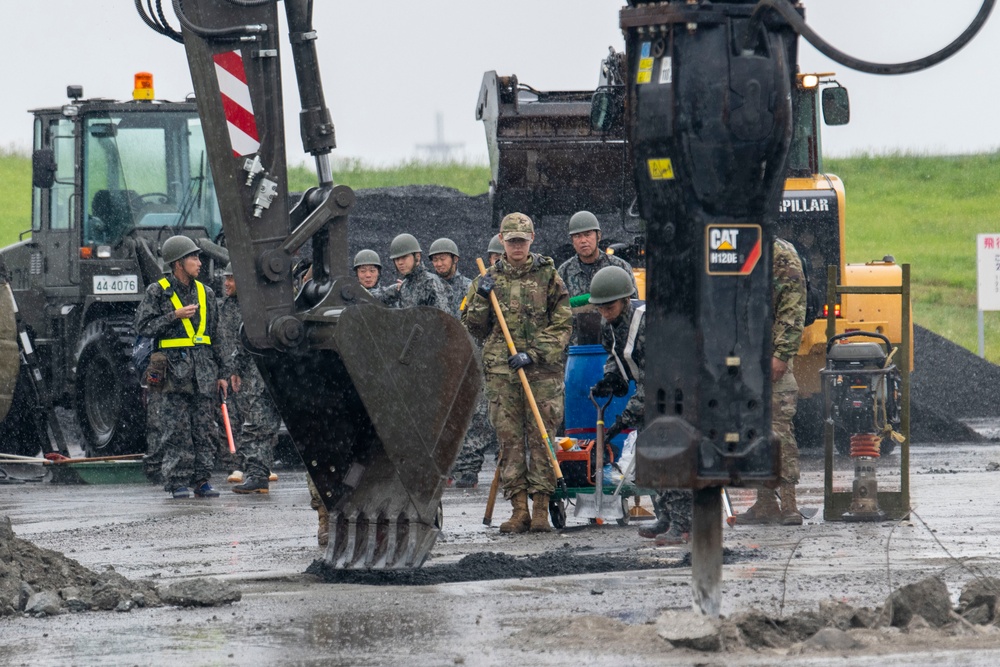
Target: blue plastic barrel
[(584, 367)]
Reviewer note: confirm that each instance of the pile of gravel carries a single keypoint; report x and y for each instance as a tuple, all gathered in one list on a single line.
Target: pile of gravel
[(951, 380), (42, 582)]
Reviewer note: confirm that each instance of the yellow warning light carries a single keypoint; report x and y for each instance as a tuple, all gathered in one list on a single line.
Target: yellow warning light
[(810, 80), (143, 89)]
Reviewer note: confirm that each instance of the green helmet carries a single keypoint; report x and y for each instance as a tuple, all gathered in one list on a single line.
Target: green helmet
[(366, 257), (404, 244), (496, 245), (443, 245), (228, 271), (583, 221), (177, 247), (610, 284)]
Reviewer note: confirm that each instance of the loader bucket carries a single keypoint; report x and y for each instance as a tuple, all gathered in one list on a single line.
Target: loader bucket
[(379, 421)]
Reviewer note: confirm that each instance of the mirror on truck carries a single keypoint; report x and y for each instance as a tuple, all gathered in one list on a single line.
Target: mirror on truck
[(103, 130), (605, 107), (43, 168), (836, 106)]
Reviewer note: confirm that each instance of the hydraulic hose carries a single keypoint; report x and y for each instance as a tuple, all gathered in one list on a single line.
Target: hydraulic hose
[(156, 19), (787, 12), (233, 32)]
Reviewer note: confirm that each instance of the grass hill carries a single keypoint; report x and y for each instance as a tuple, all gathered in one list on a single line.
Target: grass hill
[(923, 210)]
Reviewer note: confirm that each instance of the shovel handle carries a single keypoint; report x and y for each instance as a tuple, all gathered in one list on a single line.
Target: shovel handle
[(524, 383), (491, 500), (227, 424)]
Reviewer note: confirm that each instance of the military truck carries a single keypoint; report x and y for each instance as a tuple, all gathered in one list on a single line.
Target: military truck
[(111, 180)]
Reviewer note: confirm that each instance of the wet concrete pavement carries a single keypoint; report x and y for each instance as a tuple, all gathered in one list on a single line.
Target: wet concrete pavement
[(265, 543)]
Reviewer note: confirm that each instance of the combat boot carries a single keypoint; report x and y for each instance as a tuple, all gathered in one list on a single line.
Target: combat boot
[(520, 520), (763, 512), (540, 514), (790, 515)]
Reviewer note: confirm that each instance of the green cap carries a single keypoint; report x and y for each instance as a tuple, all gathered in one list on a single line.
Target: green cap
[(496, 245), (367, 257), (443, 245), (583, 221), (404, 244), (610, 284), (517, 226), (178, 247)]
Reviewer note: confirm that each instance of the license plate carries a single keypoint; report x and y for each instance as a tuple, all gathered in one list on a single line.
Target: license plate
[(116, 284)]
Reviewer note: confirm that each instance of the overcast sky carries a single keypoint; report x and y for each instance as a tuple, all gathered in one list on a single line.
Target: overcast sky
[(390, 66)]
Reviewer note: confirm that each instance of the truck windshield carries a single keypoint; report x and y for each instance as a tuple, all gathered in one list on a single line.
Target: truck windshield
[(146, 169)]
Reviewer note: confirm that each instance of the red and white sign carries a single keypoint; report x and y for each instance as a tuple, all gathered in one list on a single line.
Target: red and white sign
[(988, 271), (236, 102)]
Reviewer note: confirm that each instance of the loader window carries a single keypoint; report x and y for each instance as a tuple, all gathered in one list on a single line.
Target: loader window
[(61, 197), (146, 170)]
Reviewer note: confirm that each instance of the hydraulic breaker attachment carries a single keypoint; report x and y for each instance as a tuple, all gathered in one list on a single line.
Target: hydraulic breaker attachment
[(709, 126), (377, 401)]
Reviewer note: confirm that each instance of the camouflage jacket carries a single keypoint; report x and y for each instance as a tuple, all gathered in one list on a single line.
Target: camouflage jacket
[(235, 358), (420, 287), (535, 305), (631, 364), (191, 369), (578, 275), (789, 300), (458, 286)]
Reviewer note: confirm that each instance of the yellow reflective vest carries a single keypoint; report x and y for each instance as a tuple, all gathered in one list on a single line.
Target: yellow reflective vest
[(193, 337)]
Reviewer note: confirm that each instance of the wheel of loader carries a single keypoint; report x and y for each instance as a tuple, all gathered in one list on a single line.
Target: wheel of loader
[(626, 517), (19, 432), (557, 512), (108, 400)]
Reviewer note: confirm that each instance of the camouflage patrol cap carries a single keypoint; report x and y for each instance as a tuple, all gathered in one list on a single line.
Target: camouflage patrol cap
[(496, 245), (517, 226), (228, 271)]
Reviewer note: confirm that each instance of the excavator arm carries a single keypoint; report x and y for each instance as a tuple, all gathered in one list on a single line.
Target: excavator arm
[(341, 367)]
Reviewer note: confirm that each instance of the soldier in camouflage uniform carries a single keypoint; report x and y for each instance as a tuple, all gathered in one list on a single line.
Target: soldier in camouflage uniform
[(444, 259), (368, 269), (579, 270), (535, 305), (789, 302), (623, 335), (260, 421), (480, 436), (418, 286), (184, 373)]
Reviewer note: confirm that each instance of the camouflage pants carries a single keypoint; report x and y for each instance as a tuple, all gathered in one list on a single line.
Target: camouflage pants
[(152, 462), (784, 394), (480, 438), (184, 434), (257, 435), (524, 458), (673, 506)]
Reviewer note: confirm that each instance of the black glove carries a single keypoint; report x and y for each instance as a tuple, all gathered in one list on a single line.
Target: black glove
[(615, 429), (611, 383), (485, 286), (519, 360)]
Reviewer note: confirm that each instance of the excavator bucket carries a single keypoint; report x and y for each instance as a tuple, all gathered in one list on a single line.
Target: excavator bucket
[(379, 423), (377, 401)]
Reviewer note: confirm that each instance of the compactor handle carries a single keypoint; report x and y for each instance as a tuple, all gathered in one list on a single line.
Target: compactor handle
[(866, 334)]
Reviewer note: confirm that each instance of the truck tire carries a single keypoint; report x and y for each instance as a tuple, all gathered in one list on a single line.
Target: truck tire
[(108, 398), (19, 432)]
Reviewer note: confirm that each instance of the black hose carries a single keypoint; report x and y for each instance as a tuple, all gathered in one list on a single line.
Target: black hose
[(157, 20), (232, 32), (251, 3), (787, 12)]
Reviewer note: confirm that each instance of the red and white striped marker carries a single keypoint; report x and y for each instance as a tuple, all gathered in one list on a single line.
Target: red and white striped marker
[(236, 102)]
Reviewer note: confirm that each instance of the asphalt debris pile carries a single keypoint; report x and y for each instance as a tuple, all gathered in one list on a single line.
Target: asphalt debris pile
[(41, 582), (948, 384), (914, 615), (489, 565)]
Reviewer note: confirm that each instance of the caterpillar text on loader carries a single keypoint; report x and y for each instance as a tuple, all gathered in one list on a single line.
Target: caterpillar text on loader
[(341, 367), (110, 181)]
